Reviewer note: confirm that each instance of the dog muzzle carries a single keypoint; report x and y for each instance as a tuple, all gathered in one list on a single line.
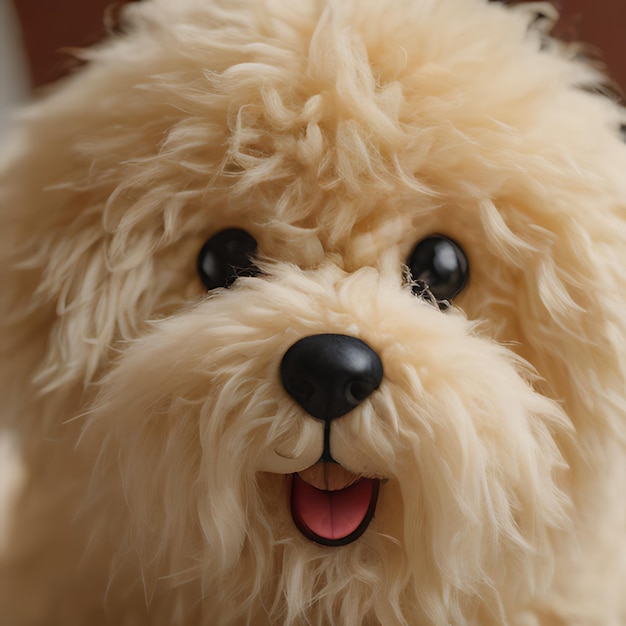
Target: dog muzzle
[(328, 376)]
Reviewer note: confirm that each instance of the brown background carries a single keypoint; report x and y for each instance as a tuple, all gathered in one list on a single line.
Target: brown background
[(51, 27)]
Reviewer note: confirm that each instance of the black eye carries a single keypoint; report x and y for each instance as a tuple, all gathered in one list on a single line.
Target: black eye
[(227, 256), (441, 264)]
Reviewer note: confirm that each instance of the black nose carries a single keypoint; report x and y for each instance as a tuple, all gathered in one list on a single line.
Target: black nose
[(329, 375)]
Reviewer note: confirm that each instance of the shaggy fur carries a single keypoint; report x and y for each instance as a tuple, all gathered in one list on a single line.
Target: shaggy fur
[(157, 440)]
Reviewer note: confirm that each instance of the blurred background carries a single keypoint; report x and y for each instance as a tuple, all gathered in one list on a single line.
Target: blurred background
[(36, 37)]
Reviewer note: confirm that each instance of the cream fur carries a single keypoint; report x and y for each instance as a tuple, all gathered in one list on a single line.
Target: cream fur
[(156, 438)]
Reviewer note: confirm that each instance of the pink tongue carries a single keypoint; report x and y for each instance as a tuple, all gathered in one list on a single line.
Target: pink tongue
[(331, 515)]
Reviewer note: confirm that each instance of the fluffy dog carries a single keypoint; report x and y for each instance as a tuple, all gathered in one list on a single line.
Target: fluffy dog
[(314, 313)]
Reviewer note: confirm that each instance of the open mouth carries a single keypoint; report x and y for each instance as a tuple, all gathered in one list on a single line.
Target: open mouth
[(331, 505)]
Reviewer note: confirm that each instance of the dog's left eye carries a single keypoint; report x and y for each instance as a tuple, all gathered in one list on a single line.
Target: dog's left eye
[(439, 264), (225, 257)]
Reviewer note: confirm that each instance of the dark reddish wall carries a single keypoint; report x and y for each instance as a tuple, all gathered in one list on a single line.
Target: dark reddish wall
[(50, 26), (601, 23)]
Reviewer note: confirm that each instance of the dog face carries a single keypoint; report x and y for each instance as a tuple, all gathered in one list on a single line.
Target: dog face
[(246, 224)]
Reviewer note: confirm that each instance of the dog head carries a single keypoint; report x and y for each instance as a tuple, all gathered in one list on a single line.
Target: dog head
[(339, 287)]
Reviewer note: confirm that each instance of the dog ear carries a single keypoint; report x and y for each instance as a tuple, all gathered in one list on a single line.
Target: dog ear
[(66, 303), (576, 328), (76, 261)]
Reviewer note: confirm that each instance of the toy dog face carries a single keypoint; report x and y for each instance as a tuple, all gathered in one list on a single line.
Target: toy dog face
[(252, 228)]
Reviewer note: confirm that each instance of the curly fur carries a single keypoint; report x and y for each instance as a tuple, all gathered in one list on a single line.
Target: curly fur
[(156, 438)]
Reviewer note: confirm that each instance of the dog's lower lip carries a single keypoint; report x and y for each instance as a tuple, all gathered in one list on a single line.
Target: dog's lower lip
[(336, 516), (328, 476)]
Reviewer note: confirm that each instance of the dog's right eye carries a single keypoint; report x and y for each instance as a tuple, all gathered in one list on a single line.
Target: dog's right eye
[(225, 257)]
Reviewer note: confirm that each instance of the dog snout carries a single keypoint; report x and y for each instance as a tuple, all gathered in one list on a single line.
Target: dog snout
[(329, 375)]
